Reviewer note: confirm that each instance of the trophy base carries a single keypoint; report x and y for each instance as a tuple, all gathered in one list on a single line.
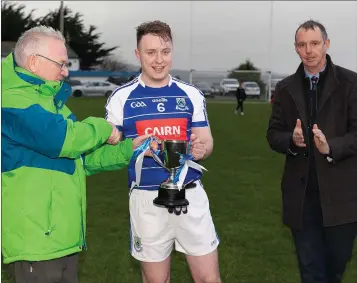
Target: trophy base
[(173, 199)]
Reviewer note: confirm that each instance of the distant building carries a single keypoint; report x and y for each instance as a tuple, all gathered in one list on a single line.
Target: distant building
[(8, 46)]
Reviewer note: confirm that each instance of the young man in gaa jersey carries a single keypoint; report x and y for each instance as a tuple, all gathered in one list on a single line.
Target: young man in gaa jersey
[(156, 103)]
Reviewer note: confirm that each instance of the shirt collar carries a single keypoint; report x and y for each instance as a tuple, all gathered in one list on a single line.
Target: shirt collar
[(141, 82), (308, 75)]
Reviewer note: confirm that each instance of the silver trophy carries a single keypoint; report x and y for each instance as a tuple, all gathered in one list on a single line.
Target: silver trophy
[(169, 194)]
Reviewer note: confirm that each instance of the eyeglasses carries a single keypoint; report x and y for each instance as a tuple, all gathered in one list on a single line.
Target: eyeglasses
[(61, 65)]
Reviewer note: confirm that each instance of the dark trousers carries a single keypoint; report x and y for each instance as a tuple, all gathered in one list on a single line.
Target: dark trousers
[(322, 252), (61, 270), (240, 105)]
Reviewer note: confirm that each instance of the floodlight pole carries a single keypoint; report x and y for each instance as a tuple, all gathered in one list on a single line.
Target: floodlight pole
[(61, 18), (190, 46), (270, 49)]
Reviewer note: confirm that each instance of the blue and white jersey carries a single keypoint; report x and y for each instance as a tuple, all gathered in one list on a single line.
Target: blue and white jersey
[(168, 112)]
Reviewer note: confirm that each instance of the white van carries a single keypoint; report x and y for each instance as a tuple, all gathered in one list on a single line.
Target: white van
[(252, 89), (229, 86)]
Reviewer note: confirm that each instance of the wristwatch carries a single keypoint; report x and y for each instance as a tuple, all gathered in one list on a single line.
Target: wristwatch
[(329, 157)]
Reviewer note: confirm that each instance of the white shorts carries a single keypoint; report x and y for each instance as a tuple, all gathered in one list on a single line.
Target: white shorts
[(154, 230)]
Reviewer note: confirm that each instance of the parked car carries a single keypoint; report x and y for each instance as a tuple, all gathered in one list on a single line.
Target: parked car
[(73, 82), (119, 80), (93, 89), (205, 88), (252, 89), (229, 86), (217, 89)]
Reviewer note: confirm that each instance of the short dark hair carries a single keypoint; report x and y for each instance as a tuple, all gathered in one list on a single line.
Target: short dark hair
[(311, 24), (155, 27)]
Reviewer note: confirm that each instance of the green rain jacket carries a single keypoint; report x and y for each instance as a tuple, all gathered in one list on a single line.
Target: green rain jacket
[(45, 157)]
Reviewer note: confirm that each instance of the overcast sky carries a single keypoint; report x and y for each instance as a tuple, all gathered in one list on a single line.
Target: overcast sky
[(219, 35)]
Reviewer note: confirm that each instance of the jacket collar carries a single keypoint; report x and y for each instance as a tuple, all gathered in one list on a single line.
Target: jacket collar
[(296, 88), (59, 90)]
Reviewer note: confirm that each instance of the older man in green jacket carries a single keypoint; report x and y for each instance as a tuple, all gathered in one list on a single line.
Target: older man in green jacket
[(46, 155)]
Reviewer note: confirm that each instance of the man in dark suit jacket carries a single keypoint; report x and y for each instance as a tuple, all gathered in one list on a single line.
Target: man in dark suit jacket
[(314, 123)]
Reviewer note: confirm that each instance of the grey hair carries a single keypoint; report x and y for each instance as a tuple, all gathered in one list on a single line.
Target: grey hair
[(311, 24), (30, 42)]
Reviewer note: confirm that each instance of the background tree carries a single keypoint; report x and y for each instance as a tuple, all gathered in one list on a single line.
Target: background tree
[(84, 42), (14, 21), (110, 63), (247, 66), (254, 76)]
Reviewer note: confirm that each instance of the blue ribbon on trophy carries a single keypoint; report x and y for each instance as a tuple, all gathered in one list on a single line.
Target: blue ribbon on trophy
[(138, 155), (186, 161)]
